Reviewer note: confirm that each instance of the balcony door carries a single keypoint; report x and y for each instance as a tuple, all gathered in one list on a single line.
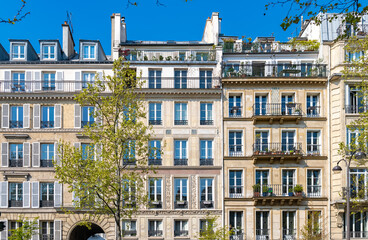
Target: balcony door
[(287, 141), (312, 105), (235, 143), (288, 225), (236, 223), (260, 106), (262, 143), (181, 80), (287, 104), (262, 177), (288, 181), (262, 225)]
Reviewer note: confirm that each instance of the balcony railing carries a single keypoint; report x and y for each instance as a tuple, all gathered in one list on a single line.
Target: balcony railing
[(280, 70), (356, 234), (206, 204), (16, 162), (155, 161), (276, 190), (16, 124), (277, 109), (47, 163), (314, 191), (154, 233), (235, 112), (46, 236), (155, 204), (155, 122), (181, 204), (15, 203), (180, 233), (46, 203), (313, 111), (277, 149), (206, 161), (181, 161), (237, 236), (129, 162), (236, 192), (265, 47), (348, 29), (129, 233), (313, 150), (206, 122), (181, 122), (356, 109), (169, 55), (289, 234), (262, 234), (236, 150), (47, 124), (357, 192)]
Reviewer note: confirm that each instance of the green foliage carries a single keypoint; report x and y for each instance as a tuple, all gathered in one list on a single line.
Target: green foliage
[(25, 231), (298, 188), (256, 187), (309, 45), (213, 231), (102, 179)]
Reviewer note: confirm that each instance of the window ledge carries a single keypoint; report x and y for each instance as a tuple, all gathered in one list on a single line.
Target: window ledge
[(17, 175), (16, 136)]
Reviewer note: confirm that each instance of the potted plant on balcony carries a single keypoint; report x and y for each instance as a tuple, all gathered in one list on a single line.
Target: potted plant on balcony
[(298, 189), (256, 190), (264, 191), (291, 192), (290, 105), (291, 152)]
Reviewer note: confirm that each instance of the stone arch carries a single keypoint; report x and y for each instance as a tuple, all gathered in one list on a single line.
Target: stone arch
[(81, 232), (74, 220)]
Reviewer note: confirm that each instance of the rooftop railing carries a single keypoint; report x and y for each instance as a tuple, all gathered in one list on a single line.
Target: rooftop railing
[(348, 29), (169, 55)]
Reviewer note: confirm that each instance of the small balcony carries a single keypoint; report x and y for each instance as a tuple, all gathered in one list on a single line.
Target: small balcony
[(358, 193), (155, 122), (314, 150), (206, 204), (356, 109), (181, 161), (236, 151), (155, 204), (46, 236), (262, 234), (180, 233), (87, 123), (181, 204), (206, 122), (270, 152), (16, 162), (129, 233), (154, 233), (47, 163), (15, 203), (48, 88), (18, 87), (47, 124), (47, 203), (173, 56), (235, 112), (16, 124), (237, 236), (314, 191), (155, 161), (289, 234), (313, 111), (236, 192), (206, 161), (181, 122), (281, 194), (356, 234), (279, 112)]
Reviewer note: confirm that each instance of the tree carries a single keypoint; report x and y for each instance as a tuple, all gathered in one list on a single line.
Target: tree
[(211, 230), (26, 229), (352, 9), (19, 16), (312, 229), (107, 176)]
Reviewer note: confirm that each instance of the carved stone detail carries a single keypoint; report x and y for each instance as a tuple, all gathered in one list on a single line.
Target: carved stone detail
[(193, 191), (168, 192)]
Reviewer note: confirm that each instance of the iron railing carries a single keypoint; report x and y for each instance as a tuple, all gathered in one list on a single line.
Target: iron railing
[(277, 109), (15, 203), (47, 163), (168, 55), (236, 192), (46, 203), (206, 122), (206, 204), (46, 236), (235, 112), (154, 233), (276, 190), (313, 149), (348, 29), (358, 192), (155, 122), (313, 111), (181, 122), (16, 124), (277, 148), (181, 161), (289, 234), (47, 124), (356, 109), (356, 234), (128, 161), (129, 233), (155, 161), (181, 204), (235, 150), (155, 204), (206, 161), (281, 70), (16, 162), (265, 47), (314, 191), (180, 233), (262, 234), (237, 236)]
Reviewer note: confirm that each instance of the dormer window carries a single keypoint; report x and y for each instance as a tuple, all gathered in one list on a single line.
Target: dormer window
[(89, 51), (48, 51), (18, 51)]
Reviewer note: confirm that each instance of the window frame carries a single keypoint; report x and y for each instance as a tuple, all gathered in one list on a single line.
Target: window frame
[(89, 55), (49, 47), (17, 54)]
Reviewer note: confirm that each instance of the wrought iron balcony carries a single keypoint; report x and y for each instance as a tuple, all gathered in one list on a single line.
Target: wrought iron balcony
[(15, 203), (356, 109), (129, 233), (47, 124), (262, 234), (181, 161), (127, 161), (357, 234), (289, 234), (235, 112), (313, 149), (154, 233), (314, 191), (46, 203), (46, 236), (47, 163), (236, 192), (16, 162), (206, 122), (155, 204), (313, 111), (168, 55), (237, 236), (16, 124), (277, 109), (348, 29), (206, 204), (155, 161), (236, 150), (357, 192), (268, 46), (48, 88), (271, 149), (278, 193), (206, 161), (180, 233), (181, 122), (155, 122), (181, 204)]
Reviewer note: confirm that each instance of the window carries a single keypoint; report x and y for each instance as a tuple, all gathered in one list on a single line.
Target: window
[(88, 117), (16, 155), (181, 56), (47, 117), (313, 106), (18, 82), (129, 153), (15, 194), (236, 183), (235, 143), (202, 56), (354, 56), (47, 155), (288, 105), (181, 157), (234, 106), (352, 137), (205, 79), (47, 230), (262, 223), (206, 191), (288, 181), (181, 192), (205, 227), (359, 183), (358, 225), (155, 192), (18, 51), (48, 83), (181, 228), (206, 114), (154, 228), (287, 141), (313, 146), (129, 189), (129, 228), (288, 224), (206, 157), (262, 144), (48, 51), (16, 117), (89, 51), (181, 116), (180, 79), (314, 183), (88, 151), (13, 225), (260, 106), (47, 194), (355, 100), (236, 224), (88, 78), (155, 153), (155, 114), (262, 177), (154, 79), (314, 223)]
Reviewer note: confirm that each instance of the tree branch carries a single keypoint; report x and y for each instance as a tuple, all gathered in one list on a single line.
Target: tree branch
[(18, 17)]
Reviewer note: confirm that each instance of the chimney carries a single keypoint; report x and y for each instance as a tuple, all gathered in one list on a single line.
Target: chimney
[(212, 29), (68, 41), (118, 31)]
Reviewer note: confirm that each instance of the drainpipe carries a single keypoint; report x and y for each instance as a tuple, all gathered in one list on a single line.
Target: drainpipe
[(329, 141), (223, 150)]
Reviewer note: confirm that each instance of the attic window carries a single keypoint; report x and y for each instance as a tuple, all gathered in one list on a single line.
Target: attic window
[(89, 51), (48, 51), (18, 51)]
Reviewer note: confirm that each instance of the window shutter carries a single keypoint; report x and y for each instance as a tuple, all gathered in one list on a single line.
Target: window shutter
[(4, 233), (37, 81), (58, 194), (4, 154), (58, 116), (26, 115), (7, 81), (78, 82), (36, 232), (35, 154), (56, 153), (77, 145), (28, 85), (4, 194), (98, 118), (347, 95), (57, 229), (26, 154), (36, 116), (35, 195), (59, 81), (77, 116), (26, 194), (5, 116)]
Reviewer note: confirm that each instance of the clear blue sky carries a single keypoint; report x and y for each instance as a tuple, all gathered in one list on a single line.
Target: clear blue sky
[(177, 20)]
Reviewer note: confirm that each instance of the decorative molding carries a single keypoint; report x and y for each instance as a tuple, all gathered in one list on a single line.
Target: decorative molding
[(16, 136), (168, 192)]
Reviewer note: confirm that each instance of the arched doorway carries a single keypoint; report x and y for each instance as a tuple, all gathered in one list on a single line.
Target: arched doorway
[(83, 232)]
